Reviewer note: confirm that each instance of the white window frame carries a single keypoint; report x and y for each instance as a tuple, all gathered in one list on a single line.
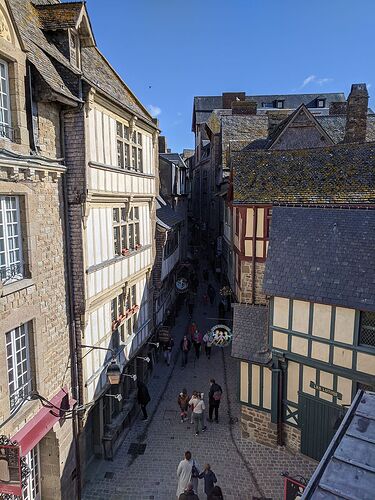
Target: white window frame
[(133, 143), (5, 126), (33, 487), (19, 390), (8, 259), (126, 231)]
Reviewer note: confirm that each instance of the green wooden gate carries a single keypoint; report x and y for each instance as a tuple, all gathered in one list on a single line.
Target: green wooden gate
[(318, 420)]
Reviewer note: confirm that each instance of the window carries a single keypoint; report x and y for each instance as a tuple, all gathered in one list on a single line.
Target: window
[(32, 489), (11, 264), (18, 364), (133, 227), (126, 230), (268, 222), (280, 103), (267, 105), (125, 146), (119, 306), (5, 122), (74, 49), (367, 329), (321, 103), (171, 244)]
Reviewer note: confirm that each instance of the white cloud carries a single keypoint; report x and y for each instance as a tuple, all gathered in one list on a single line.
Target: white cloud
[(154, 110), (369, 86), (315, 79)]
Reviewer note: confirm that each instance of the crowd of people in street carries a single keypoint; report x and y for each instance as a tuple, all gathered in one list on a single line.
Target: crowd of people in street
[(189, 471)]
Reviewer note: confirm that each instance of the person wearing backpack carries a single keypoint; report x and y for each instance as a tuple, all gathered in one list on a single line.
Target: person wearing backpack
[(214, 398)]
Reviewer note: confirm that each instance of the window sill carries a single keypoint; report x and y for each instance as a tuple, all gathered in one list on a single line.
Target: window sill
[(115, 259), (16, 286)]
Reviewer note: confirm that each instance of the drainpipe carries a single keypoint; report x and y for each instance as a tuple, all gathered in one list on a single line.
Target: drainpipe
[(72, 329), (254, 249)]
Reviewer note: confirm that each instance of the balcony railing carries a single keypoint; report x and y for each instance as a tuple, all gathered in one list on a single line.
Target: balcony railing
[(6, 131), (12, 273)]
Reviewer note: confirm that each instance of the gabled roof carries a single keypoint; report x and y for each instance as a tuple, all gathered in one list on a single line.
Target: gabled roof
[(61, 15), (173, 158), (339, 174), (295, 117), (166, 217), (250, 333), (323, 255)]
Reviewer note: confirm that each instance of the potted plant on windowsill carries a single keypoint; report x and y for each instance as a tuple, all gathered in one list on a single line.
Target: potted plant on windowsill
[(125, 251), (138, 246)]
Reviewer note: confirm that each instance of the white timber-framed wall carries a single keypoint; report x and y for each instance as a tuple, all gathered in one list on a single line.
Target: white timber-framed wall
[(110, 274)]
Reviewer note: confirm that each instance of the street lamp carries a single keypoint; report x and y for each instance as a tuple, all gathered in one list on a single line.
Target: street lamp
[(147, 359), (154, 343), (134, 377), (113, 370)]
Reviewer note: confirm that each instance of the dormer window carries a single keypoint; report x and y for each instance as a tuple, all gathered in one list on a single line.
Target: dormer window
[(321, 103), (279, 103), (5, 123), (75, 53)]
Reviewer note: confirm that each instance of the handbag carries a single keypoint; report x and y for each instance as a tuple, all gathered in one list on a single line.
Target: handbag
[(194, 471)]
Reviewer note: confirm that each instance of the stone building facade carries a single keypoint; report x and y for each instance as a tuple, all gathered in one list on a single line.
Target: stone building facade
[(34, 313)]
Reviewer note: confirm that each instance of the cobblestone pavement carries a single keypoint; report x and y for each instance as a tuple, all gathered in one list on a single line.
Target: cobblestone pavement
[(244, 469)]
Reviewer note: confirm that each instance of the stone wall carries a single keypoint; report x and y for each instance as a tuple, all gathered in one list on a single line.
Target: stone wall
[(40, 301), (257, 426), (292, 438), (49, 142), (246, 283)]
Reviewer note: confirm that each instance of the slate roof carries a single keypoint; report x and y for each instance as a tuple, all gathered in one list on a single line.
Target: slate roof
[(250, 333), (338, 174), (173, 157), (59, 16), (167, 216), (347, 469), (322, 255)]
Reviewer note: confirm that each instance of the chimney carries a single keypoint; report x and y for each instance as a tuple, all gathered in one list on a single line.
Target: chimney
[(338, 108), (229, 97), (244, 108), (162, 144), (356, 115)]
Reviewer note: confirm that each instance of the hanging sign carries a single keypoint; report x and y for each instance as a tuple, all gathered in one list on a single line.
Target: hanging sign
[(13, 469), (293, 489), (320, 388), (182, 285), (220, 335)]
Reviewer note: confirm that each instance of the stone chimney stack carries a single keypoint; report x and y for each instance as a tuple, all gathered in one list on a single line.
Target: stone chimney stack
[(229, 97), (244, 108), (162, 144), (338, 108), (356, 115)]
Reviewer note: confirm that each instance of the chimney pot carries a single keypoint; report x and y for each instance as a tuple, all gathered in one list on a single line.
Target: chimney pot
[(162, 144)]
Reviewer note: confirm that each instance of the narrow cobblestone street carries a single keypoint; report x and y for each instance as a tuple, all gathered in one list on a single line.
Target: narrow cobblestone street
[(244, 469)]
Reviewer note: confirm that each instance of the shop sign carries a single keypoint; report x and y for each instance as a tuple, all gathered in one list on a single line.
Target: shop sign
[(221, 335), (320, 388), (13, 469), (182, 285)]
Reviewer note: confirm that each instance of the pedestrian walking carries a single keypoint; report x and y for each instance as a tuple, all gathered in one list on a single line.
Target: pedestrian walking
[(184, 473), (198, 409), (214, 397), (209, 479), (191, 406), (143, 398), (216, 494), (221, 309), (167, 348), (211, 293), (183, 403), (185, 346), (207, 340), (196, 338), (188, 493)]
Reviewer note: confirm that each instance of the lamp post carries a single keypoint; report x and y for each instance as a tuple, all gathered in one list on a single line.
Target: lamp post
[(113, 369), (154, 343), (146, 359)]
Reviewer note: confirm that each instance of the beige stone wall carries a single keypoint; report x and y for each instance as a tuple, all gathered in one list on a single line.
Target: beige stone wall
[(292, 438), (49, 142), (40, 300), (257, 426), (246, 283)]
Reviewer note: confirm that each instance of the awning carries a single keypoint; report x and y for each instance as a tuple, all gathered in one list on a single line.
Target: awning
[(35, 430)]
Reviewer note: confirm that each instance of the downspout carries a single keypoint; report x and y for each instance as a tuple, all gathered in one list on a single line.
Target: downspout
[(254, 249), (32, 132), (72, 329)]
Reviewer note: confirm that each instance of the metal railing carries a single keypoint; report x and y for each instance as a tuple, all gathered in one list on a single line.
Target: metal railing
[(13, 272), (6, 131)]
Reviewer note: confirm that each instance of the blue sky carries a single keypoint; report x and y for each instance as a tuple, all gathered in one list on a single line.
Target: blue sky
[(168, 51)]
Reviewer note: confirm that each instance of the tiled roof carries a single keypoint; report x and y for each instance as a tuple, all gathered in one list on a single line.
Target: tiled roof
[(322, 255), (59, 16), (347, 470), (98, 72), (167, 216), (338, 174), (250, 338)]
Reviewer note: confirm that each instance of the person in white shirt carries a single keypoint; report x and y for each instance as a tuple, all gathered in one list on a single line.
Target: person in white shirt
[(184, 473), (198, 407)]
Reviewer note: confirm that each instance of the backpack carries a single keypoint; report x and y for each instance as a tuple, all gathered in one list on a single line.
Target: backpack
[(194, 470)]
